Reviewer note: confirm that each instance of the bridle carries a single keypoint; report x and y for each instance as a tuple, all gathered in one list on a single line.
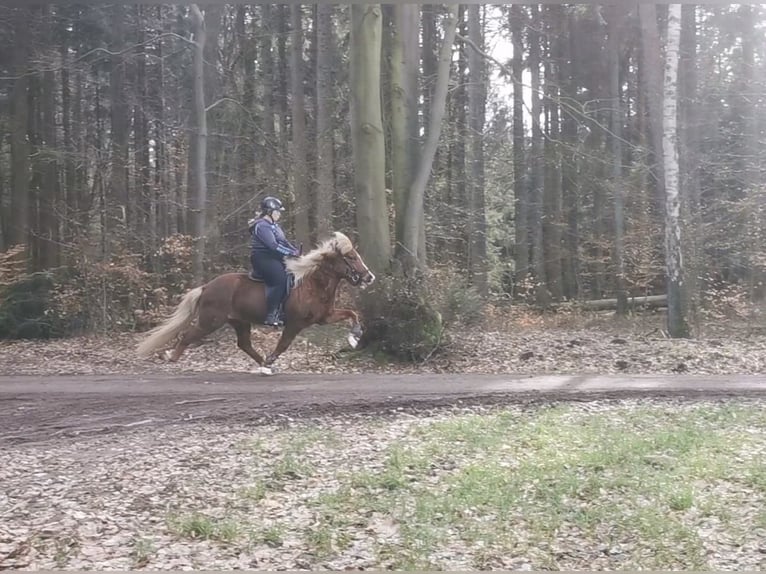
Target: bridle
[(353, 276)]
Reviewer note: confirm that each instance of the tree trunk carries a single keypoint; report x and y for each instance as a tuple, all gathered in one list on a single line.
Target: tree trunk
[(198, 166), (299, 166), (477, 220), (613, 48), (428, 60), (537, 166), (403, 110), (570, 168), (19, 228), (520, 188), (143, 226), (367, 136), (552, 186), (651, 66), (248, 158), (48, 228), (415, 199), (689, 154), (756, 274), (266, 79), (677, 326), (119, 117), (325, 111)]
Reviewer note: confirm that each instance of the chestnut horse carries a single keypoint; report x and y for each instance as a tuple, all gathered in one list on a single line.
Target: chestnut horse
[(240, 301)]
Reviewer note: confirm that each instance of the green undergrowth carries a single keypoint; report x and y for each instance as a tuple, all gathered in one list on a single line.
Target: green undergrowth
[(635, 480)]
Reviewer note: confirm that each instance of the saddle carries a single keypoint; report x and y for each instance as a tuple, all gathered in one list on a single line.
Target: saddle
[(253, 276)]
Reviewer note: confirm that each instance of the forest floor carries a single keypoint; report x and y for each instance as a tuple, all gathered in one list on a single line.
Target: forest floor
[(601, 483), (519, 343)]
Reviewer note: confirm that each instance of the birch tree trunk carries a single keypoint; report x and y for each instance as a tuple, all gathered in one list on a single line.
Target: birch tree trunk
[(677, 326), (414, 212), (367, 136)]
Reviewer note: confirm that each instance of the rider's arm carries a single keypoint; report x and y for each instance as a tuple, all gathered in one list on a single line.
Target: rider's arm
[(266, 235)]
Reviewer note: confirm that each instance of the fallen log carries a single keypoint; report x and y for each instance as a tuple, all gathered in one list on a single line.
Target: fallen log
[(650, 301)]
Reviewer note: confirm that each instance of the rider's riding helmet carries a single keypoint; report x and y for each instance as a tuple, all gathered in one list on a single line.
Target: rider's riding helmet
[(269, 204)]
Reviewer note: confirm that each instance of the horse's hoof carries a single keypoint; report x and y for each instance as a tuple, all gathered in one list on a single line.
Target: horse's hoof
[(352, 340), (167, 355), (356, 331), (265, 371)]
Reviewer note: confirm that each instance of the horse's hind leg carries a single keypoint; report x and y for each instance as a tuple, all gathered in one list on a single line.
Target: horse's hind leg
[(195, 335), (243, 339), (288, 335)]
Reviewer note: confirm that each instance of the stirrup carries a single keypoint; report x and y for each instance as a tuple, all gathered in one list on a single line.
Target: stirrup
[(274, 320)]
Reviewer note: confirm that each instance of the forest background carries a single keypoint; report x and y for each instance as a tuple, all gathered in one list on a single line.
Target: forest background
[(483, 157)]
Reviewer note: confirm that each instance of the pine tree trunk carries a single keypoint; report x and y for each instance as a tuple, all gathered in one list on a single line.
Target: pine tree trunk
[(677, 326), (477, 220), (552, 186), (651, 66), (48, 230), (689, 154), (367, 136), (119, 116), (299, 167), (248, 158), (19, 228), (520, 179), (198, 165), (613, 48), (266, 79), (537, 167), (325, 110), (569, 191), (756, 274), (144, 226)]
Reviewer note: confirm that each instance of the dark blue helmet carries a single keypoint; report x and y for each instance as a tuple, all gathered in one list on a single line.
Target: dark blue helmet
[(269, 204)]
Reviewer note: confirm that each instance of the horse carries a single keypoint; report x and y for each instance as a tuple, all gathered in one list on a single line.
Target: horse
[(239, 300)]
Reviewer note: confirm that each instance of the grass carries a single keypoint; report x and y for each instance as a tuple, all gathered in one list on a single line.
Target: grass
[(623, 476), (555, 487), (198, 526), (141, 551)]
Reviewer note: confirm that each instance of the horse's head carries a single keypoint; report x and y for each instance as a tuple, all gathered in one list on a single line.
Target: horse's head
[(347, 262), (336, 255)]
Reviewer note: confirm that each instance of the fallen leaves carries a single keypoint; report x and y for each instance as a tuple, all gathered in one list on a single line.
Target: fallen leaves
[(292, 495), (600, 348)]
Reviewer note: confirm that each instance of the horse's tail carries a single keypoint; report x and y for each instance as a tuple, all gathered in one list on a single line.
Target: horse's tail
[(180, 319)]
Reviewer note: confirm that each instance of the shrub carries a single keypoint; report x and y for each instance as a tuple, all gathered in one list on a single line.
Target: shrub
[(400, 320)]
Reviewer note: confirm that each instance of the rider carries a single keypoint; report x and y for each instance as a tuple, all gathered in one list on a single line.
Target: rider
[(268, 249)]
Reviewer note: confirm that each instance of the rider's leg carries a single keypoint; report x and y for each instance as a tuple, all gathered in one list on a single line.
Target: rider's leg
[(274, 274)]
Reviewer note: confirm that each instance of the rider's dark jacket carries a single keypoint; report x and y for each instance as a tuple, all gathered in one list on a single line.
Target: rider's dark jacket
[(268, 239)]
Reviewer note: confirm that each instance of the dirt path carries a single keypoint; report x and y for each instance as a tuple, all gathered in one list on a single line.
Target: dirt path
[(35, 409)]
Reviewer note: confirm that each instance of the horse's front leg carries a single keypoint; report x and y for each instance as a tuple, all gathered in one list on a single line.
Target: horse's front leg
[(338, 315)]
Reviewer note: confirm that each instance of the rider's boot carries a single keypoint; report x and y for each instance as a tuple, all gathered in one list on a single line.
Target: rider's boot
[(274, 319)]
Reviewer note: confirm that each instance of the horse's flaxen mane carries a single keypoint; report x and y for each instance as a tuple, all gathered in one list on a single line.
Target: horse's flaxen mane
[(303, 266)]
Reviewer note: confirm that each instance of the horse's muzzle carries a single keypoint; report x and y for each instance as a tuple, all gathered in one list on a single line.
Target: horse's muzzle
[(368, 279)]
